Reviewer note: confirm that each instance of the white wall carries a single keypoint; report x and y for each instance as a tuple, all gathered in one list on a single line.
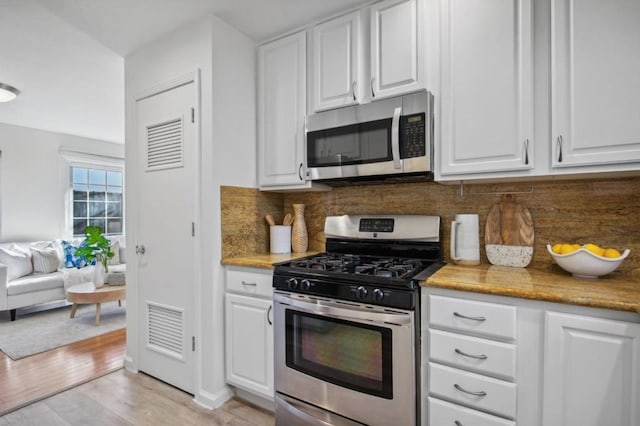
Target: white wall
[(226, 60), (32, 204), (70, 83)]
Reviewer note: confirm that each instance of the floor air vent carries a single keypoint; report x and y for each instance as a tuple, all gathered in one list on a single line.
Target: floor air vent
[(164, 145), (166, 330)]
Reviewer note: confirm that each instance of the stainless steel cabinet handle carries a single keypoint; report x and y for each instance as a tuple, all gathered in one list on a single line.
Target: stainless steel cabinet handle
[(526, 152), (300, 172), (455, 314), (459, 352), (140, 249), (353, 90), (461, 389), (373, 94), (249, 284), (559, 144), (268, 313)]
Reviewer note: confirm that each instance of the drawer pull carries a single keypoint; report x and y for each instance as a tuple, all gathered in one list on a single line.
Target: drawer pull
[(249, 284), (459, 352), (458, 423), (461, 389), (469, 318)]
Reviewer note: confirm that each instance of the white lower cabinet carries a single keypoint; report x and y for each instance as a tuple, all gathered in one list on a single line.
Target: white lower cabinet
[(570, 365), (249, 332), (475, 374), (442, 413), (591, 371)]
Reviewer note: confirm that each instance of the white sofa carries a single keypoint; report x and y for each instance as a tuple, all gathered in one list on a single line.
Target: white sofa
[(36, 288)]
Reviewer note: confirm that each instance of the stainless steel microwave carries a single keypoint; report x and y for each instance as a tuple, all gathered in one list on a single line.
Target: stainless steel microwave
[(389, 139)]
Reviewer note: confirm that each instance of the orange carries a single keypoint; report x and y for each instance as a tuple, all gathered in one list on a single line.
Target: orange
[(556, 248), (612, 253)]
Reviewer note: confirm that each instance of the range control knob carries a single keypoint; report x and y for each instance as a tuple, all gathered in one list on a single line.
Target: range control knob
[(305, 285), (293, 283), (378, 295), (361, 292)]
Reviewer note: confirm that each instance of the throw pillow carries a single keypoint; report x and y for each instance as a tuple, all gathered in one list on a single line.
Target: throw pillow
[(45, 260), (17, 260), (70, 258), (115, 248)]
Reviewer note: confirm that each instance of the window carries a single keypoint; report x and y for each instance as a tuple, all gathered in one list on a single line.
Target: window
[(97, 199)]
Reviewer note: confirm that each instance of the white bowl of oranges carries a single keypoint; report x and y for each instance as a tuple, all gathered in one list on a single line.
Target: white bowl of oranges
[(588, 260)]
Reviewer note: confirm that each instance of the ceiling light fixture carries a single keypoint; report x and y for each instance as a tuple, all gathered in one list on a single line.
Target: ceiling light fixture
[(8, 93)]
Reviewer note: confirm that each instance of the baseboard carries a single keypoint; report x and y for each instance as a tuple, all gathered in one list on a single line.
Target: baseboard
[(129, 365), (213, 400), (255, 400)]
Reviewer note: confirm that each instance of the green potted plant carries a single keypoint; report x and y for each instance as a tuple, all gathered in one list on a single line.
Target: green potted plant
[(96, 247)]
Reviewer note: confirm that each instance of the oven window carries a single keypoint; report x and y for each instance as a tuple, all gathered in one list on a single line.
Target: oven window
[(354, 144), (345, 353)]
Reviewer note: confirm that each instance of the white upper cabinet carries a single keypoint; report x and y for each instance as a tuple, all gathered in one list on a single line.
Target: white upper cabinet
[(595, 66), (398, 47), (335, 62), (486, 85), (281, 112), (591, 372)]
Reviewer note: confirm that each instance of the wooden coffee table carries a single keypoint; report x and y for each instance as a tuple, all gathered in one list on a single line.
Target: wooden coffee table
[(87, 293)]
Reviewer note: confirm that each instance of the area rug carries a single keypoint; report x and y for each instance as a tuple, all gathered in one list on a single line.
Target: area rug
[(35, 332)]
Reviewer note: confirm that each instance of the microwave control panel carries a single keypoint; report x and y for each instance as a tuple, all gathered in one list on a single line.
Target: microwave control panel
[(412, 136)]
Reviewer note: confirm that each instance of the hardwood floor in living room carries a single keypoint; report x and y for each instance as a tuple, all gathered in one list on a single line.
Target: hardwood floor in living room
[(84, 383)]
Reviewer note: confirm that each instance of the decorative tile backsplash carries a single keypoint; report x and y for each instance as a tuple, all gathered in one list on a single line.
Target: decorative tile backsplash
[(603, 211)]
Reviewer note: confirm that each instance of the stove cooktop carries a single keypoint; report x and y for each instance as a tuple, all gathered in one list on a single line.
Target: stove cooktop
[(384, 267)]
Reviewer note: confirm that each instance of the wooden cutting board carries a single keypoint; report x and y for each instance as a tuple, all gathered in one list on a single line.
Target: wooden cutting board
[(509, 223)]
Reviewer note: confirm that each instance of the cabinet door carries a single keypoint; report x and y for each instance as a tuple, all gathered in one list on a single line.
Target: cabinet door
[(335, 62), (249, 343), (281, 98), (595, 65), (397, 47), (591, 372), (486, 86)]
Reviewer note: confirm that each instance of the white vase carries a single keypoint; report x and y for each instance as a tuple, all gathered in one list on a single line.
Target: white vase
[(98, 275)]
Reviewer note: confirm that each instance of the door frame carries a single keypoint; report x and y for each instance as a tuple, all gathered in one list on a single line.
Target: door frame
[(132, 355)]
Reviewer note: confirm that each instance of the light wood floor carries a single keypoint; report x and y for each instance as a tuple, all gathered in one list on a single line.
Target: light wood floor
[(44, 374), (115, 397), (123, 398)]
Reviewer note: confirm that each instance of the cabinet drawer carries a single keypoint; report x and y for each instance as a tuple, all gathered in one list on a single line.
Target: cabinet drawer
[(250, 282), (493, 395), (443, 413), (472, 353), (488, 319)]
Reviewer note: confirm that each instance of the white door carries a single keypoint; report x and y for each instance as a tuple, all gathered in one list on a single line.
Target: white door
[(249, 343), (591, 372), (397, 47), (595, 64), (281, 111), (486, 86), (166, 214), (335, 62)]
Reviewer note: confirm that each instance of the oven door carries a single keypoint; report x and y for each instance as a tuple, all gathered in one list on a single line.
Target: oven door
[(354, 360)]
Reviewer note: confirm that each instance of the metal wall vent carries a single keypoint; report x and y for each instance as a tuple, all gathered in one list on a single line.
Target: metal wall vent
[(165, 330), (165, 145)]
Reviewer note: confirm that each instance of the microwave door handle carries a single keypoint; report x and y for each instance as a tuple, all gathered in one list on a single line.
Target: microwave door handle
[(395, 138)]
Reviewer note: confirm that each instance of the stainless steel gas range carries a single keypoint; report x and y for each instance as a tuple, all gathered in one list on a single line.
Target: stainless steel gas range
[(347, 322)]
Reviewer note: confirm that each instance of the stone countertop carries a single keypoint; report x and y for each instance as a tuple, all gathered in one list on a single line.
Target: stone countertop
[(613, 291), (265, 261)]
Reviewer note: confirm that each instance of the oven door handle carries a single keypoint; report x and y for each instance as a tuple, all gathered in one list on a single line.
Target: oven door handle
[(351, 314)]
